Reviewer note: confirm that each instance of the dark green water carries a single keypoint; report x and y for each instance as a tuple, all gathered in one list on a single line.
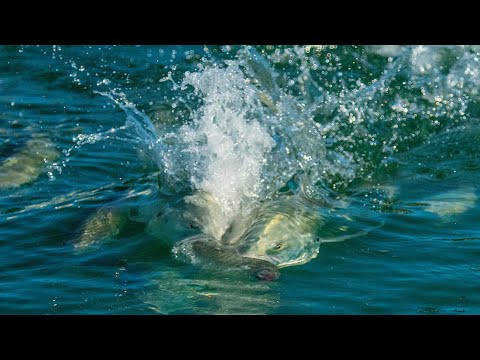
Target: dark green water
[(382, 142)]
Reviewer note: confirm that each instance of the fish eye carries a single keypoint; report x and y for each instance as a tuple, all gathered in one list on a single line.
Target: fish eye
[(278, 247), (318, 239)]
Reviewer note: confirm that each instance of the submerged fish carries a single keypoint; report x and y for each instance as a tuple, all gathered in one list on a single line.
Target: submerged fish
[(28, 163), (278, 233), (209, 292), (104, 225), (453, 202), (281, 233)]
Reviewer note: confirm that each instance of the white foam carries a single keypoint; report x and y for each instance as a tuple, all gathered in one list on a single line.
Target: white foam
[(228, 146)]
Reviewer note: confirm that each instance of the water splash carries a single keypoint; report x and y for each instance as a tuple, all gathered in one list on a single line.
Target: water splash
[(308, 119), (226, 141)]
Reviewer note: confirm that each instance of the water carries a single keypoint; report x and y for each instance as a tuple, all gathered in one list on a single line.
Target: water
[(110, 156)]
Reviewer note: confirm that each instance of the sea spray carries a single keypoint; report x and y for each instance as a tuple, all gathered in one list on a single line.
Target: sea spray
[(227, 143), (301, 116)]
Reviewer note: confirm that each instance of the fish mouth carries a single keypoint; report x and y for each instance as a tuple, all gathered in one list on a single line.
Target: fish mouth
[(299, 261), (271, 259), (279, 263)]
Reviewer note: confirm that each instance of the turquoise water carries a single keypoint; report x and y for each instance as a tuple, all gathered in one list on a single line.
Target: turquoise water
[(378, 144)]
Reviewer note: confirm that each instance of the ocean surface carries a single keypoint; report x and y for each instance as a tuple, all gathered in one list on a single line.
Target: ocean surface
[(102, 146)]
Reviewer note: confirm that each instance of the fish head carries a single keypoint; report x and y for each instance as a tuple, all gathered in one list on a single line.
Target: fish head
[(285, 243)]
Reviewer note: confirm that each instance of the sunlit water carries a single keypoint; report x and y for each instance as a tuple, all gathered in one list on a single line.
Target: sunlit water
[(371, 150)]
